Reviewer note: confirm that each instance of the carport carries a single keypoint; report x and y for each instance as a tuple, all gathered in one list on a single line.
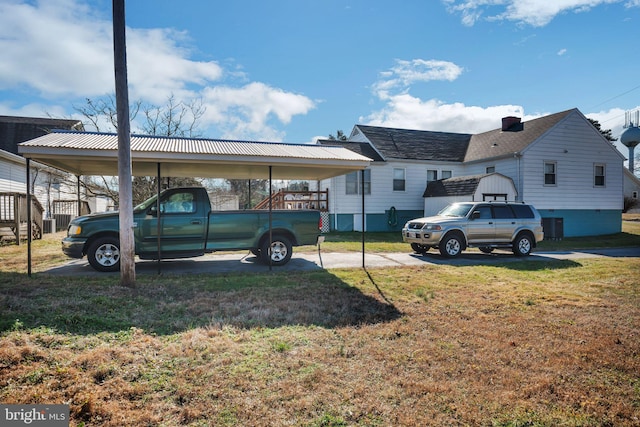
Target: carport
[(94, 154)]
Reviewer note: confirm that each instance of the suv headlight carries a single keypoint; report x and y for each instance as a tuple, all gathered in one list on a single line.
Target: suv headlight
[(74, 230), (432, 227)]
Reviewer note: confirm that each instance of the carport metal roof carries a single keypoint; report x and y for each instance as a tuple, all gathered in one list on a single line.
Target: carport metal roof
[(89, 153)]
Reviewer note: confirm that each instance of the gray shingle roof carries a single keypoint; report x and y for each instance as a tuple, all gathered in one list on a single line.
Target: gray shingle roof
[(14, 130), (362, 148), (395, 143), (498, 143), (457, 186)]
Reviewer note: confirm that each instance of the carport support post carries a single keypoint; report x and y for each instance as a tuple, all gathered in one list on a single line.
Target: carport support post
[(363, 222), (158, 224), (28, 219), (270, 216), (78, 193)]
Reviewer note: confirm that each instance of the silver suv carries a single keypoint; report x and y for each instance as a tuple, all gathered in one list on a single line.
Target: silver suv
[(485, 225)]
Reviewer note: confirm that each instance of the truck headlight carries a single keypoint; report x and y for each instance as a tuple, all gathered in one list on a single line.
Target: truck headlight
[(74, 230), (432, 227)]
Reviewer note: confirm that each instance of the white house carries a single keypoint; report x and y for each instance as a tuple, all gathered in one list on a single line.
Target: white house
[(49, 186), (560, 163)]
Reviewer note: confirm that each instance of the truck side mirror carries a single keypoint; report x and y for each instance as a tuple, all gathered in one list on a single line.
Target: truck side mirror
[(153, 210)]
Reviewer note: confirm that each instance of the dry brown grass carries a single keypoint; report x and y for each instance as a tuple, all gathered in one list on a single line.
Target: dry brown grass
[(522, 344)]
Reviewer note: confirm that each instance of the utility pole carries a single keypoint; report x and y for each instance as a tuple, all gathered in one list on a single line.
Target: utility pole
[(127, 249)]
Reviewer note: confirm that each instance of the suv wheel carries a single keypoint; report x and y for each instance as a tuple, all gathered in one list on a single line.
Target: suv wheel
[(420, 248), (522, 245), (450, 246)]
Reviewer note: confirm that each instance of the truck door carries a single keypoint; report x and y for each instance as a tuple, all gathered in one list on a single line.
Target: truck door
[(481, 226), (183, 224)]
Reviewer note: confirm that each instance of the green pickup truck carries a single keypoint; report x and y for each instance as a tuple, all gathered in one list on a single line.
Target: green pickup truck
[(189, 228)]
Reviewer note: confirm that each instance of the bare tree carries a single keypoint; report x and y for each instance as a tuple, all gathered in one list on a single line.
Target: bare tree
[(175, 118)]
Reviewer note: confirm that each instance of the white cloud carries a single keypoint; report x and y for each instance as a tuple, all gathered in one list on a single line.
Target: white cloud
[(561, 52), (245, 112), (62, 50), (405, 73), (404, 110), (407, 111), (536, 13)]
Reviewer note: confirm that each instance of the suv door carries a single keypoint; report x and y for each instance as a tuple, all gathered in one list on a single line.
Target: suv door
[(505, 223), (481, 226)]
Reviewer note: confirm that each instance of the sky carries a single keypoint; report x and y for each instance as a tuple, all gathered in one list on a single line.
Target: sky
[(296, 70)]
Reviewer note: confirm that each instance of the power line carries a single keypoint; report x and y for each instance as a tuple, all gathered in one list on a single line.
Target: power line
[(617, 96)]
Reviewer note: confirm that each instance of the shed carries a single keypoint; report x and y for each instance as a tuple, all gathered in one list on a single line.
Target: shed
[(485, 187)]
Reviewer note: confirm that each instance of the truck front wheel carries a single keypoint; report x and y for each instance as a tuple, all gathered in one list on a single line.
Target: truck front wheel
[(278, 253), (104, 254)]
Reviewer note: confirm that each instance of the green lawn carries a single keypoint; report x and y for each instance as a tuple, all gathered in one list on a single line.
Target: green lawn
[(513, 344)]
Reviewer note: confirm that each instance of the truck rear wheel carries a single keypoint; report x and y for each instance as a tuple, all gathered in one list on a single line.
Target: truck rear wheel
[(104, 254), (278, 253)]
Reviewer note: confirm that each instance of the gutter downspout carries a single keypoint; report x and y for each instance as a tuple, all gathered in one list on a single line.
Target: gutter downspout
[(518, 157)]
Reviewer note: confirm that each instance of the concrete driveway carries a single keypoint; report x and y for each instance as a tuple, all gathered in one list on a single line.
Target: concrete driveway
[(247, 262)]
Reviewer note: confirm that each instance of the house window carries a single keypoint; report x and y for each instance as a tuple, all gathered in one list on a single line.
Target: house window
[(446, 174), (550, 173), (634, 195), (599, 175), (490, 169), (432, 175), (353, 183), (398, 179)]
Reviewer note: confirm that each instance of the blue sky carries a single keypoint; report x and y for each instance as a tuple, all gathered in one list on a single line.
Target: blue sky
[(295, 70)]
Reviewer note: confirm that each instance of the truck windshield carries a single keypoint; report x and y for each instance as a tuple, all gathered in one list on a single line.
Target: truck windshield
[(456, 210)]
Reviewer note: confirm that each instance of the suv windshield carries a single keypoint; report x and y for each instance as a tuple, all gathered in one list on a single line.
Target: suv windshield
[(456, 210)]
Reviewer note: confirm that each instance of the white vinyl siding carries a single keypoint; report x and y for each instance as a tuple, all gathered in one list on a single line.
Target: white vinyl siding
[(573, 146)]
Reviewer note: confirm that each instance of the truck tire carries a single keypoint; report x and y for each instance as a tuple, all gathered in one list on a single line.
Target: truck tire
[(522, 245), (451, 245), (486, 249), (279, 252), (104, 254)]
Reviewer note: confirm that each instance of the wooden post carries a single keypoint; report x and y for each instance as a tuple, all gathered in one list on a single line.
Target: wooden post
[(127, 248)]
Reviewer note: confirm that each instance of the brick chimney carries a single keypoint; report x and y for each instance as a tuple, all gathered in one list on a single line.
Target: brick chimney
[(511, 123)]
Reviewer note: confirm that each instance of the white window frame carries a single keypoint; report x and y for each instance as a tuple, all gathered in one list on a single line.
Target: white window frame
[(446, 172), (349, 182), (554, 173), (398, 180), (596, 176), (434, 175)]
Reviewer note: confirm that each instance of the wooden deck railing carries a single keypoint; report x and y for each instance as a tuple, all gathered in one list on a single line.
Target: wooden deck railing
[(13, 216), (296, 200)]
